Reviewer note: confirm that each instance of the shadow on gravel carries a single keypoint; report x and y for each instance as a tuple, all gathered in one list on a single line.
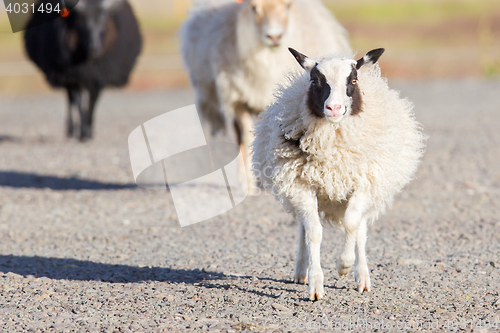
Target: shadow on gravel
[(32, 180), (79, 270), (8, 138)]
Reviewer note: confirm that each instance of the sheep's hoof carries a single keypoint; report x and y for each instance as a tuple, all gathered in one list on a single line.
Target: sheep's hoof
[(85, 136), (316, 289), (363, 287), (344, 266), (363, 280), (343, 269), (316, 293), (85, 133), (253, 191), (301, 279)]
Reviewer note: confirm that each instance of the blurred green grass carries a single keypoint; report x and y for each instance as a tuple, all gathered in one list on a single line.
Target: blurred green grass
[(410, 11), (427, 38), (423, 38)]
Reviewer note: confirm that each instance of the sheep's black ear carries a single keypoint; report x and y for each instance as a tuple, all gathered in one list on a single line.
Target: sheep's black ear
[(370, 58), (306, 63)]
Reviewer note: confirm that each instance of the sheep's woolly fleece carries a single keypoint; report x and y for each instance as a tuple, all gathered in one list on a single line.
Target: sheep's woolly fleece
[(246, 72), (377, 151)]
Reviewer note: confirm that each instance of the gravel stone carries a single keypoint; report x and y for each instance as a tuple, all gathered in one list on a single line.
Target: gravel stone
[(82, 249)]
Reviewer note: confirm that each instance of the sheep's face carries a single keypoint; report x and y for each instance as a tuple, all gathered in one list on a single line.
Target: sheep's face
[(333, 91), (96, 13), (271, 19)]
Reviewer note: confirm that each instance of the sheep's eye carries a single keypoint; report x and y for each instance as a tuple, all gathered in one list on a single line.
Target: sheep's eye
[(354, 81), (254, 8)]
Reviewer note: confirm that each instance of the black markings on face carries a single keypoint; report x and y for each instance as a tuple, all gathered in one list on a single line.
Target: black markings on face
[(318, 93), (352, 90)]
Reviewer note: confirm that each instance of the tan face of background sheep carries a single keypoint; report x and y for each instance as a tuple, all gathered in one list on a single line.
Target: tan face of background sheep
[(271, 19)]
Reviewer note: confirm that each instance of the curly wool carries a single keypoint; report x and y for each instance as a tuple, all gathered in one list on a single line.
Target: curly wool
[(376, 151)]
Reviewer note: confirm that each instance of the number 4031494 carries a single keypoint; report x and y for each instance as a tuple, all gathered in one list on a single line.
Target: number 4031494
[(26, 8)]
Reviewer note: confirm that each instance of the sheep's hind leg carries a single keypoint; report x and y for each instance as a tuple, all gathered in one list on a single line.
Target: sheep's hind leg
[(352, 220), (246, 137), (302, 261), (209, 108), (306, 208), (361, 272), (74, 100)]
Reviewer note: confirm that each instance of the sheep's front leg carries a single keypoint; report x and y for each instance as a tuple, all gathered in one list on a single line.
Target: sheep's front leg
[(302, 261), (361, 272), (352, 220), (307, 213)]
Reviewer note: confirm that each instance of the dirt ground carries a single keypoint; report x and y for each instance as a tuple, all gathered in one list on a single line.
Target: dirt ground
[(83, 249)]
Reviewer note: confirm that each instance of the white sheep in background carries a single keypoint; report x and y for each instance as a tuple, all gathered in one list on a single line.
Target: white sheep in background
[(236, 52), (334, 148)]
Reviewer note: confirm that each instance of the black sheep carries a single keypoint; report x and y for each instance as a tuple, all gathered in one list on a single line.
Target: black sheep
[(94, 47)]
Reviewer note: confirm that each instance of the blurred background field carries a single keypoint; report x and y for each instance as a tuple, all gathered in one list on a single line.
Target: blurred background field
[(423, 38)]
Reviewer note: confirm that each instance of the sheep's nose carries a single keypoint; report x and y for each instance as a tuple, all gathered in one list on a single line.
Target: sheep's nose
[(275, 39), (334, 110)]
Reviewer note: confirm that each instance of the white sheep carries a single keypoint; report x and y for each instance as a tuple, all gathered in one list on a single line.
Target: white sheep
[(236, 52), (334, 148)]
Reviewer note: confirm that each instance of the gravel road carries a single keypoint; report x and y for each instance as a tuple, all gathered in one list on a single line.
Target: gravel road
[(83, 249)]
